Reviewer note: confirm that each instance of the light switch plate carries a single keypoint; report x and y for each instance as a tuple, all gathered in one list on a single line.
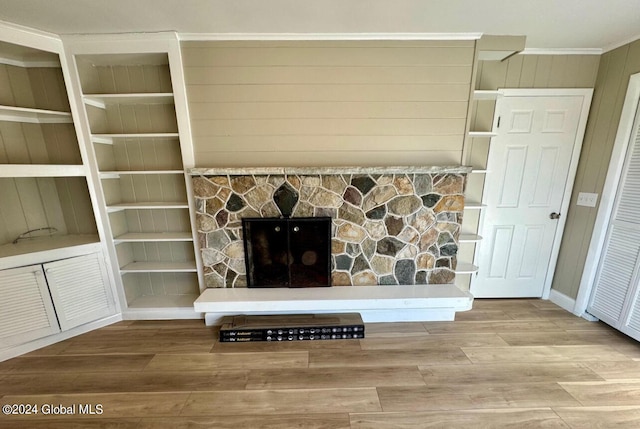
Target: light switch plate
[(587, 199)]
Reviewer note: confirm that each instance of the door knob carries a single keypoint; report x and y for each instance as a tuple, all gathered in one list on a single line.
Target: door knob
[(554, 215)]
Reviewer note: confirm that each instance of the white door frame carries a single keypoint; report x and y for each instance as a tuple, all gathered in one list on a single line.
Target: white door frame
[(586, 94), (608, 196)]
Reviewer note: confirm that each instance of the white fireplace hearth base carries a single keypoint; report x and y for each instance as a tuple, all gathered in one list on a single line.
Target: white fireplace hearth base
[(419, 303)]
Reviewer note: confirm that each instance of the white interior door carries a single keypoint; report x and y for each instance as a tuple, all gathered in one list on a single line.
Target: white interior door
[(530, 172)]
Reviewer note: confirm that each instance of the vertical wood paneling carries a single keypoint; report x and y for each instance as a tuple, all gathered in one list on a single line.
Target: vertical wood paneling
[(35, 144), (52, 204), (99, 79), (15, 143), (174, 220), (29, 203), (20, 87), (12, 216), (61, 143), (145, 188), (159, 251), (539, 71), (81, 204), (49, 90), (327, 103), (615, 67), (6, 94)]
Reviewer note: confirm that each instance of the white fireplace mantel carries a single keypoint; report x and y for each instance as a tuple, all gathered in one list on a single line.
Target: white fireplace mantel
[(240, 171)]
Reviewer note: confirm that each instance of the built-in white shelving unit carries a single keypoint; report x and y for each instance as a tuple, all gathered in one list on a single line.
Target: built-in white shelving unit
[(133, 105), (53, 274), (45, 199), (475, 155)]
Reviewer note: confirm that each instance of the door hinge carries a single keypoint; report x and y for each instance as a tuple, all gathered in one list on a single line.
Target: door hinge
[(498, 124)]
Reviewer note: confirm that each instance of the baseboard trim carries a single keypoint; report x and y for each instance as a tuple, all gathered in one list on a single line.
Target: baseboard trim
[(562, 300)]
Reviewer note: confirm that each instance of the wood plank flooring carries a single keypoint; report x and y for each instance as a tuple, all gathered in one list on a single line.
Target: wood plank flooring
[(504, 364)]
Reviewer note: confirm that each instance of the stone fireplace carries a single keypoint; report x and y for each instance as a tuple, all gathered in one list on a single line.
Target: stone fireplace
[(390, 225)]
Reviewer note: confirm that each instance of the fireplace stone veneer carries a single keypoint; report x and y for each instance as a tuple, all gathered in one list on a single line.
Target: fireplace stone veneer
[(390, 225)]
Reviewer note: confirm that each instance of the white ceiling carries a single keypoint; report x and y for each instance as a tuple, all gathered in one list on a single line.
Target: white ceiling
[(548, 24)]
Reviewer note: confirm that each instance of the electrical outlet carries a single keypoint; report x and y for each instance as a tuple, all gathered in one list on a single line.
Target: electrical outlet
[(587, 199)]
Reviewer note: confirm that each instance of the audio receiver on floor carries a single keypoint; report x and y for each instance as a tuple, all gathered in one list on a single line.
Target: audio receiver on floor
[(291, 327)]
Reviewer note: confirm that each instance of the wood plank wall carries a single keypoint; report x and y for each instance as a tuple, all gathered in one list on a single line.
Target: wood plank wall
[(613, 78), (328, 103)]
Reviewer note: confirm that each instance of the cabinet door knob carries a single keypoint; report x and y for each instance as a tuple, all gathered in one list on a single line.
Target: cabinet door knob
[(277, 229), (296, 228)]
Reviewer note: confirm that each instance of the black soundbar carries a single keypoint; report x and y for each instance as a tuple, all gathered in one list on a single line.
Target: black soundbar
[(292, 327)]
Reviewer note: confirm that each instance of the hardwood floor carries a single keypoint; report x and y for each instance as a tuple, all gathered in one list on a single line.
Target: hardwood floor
[(506, 363)]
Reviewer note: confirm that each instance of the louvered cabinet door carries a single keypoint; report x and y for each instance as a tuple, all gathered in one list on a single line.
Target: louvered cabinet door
[(631, 325), (616, 274), (80, 290), (26, 310)]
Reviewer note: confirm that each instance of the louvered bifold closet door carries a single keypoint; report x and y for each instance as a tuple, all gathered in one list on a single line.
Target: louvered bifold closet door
[(80, 290), (614, 297), (26, 311)]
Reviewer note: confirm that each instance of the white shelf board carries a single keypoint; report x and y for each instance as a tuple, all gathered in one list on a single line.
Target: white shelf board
[(470, 205), (159, 267), (34, 116), (466, 268), (126, 59), (479, 171), (482, 134), (469, 238), (43, 249), (136, 237), (41, 170), (117, 174), (110, 138), (103, 100), (164, 301), (485, 94), (147, 206)]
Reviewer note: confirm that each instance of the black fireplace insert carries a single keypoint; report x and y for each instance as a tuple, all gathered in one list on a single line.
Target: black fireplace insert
[(288, 252)]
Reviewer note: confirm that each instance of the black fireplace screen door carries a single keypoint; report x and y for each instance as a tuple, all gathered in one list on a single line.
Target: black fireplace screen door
[(293, 252)]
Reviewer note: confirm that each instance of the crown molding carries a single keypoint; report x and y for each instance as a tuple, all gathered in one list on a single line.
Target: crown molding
[(568, 51), (31, 37), (326, 36), (622, 43)]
